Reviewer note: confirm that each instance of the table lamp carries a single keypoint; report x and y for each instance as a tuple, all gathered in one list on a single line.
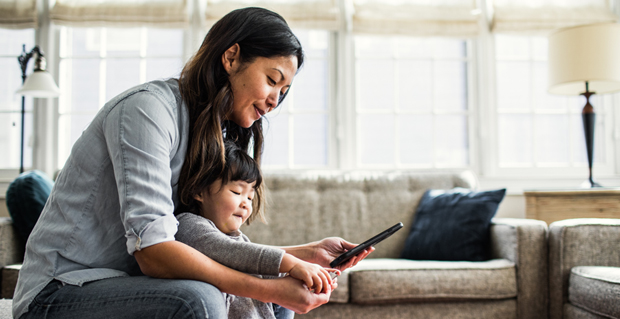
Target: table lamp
[(39, 84), (585, 60)]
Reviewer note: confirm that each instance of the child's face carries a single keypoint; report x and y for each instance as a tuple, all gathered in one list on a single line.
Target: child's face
[(229, 207)]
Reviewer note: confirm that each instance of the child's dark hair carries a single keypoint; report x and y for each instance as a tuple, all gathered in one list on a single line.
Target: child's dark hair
[(238, 166)]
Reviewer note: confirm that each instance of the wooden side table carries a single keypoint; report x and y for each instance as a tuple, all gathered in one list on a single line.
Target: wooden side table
[(554, 205)]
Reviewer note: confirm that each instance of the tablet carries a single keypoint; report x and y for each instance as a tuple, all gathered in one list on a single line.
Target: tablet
[(371, 242)]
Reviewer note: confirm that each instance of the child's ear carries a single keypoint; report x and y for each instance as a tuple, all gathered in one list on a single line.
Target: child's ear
[(198, 197)]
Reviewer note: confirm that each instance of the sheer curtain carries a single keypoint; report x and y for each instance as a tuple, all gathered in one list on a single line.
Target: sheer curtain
[(18, 14), (543, 16), (310, 14), (120, 13), (457, 18)]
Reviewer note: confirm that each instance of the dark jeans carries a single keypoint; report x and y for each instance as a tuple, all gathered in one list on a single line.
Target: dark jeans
[(133, 297)]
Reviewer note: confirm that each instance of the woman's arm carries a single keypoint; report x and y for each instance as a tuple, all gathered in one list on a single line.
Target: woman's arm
[(173, 259), (325, 251)]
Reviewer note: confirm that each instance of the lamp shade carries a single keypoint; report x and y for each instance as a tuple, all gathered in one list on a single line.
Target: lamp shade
[(585, 53), (39, 84)]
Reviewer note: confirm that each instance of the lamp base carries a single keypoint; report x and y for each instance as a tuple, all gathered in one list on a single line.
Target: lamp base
[(590, 184)]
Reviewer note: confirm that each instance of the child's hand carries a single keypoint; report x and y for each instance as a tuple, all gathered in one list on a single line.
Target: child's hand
[(314, 276)]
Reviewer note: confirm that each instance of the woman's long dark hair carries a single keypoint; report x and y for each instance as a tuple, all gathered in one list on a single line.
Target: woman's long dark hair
[(206, 90)]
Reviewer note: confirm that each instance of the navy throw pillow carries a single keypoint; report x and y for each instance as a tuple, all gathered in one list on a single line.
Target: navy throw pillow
[(452, 225), (25, 199)]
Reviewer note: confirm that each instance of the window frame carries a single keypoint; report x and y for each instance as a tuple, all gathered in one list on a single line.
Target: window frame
[(342, 122)]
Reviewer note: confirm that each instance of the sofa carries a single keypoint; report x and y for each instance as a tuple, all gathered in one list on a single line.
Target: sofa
[(357, 205), (584, 269), (11, 256)]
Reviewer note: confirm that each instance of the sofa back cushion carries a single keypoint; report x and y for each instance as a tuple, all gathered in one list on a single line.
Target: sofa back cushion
[(353, 205)]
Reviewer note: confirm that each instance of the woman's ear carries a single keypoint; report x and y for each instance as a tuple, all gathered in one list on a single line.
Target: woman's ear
[(230, 58)]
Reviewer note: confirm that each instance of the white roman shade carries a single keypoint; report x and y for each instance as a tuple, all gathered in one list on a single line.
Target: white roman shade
[(120, 13), (18, 14), (458, 18), (312, 14), (544, 16)]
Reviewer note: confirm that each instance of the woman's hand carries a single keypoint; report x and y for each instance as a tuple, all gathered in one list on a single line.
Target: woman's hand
[(291, 293), (326, 250)]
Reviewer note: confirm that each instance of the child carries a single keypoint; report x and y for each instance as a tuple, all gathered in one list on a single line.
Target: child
[(221, 206)]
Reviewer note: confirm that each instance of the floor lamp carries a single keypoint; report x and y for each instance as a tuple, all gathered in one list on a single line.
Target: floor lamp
[(585, 60), (39, 84)]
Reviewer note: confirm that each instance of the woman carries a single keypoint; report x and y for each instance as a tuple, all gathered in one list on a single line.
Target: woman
[(109, 219)]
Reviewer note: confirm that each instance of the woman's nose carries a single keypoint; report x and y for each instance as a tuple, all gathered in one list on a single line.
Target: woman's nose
[(272, 101)]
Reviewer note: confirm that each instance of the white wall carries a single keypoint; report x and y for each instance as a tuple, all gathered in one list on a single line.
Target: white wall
[(513, 206)]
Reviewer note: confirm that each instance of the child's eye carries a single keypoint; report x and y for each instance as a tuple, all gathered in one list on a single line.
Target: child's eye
[(250, 198), (236, 193)]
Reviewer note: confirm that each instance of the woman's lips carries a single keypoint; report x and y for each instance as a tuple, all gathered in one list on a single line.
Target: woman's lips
[(259, 112)]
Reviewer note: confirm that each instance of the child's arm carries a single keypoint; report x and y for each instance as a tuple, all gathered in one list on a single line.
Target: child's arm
[(314, 276), (246, 257)]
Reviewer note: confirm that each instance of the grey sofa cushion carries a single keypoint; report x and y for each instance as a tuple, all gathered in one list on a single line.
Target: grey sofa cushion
[(596, 289), (496, 309), (341, 294), (398, 280), (572, 312)]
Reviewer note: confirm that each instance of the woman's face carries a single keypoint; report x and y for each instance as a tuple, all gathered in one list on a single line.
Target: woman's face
[(257, 86)]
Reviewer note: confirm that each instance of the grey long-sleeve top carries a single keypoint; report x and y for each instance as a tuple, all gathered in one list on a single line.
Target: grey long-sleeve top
[(237, 252)]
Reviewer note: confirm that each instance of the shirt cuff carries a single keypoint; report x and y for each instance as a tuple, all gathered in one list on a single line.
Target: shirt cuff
[(158, 231)]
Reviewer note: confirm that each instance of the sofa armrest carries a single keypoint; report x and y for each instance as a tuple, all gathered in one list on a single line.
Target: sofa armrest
[(579, 242), (11, 246), (524, 242)]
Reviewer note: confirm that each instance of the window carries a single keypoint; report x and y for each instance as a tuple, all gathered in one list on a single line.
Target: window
[(431, 88), (97, 64), (297, 132), (412, 102), (11, 42), (538, 130)]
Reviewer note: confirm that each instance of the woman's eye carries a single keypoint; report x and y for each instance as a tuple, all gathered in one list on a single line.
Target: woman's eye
[(271, 81)]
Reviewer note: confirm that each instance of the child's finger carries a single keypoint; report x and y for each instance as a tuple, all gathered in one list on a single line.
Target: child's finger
[(318, 283)]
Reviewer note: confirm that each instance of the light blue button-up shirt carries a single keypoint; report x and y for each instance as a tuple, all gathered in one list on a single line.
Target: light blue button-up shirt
[(115, 195)]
